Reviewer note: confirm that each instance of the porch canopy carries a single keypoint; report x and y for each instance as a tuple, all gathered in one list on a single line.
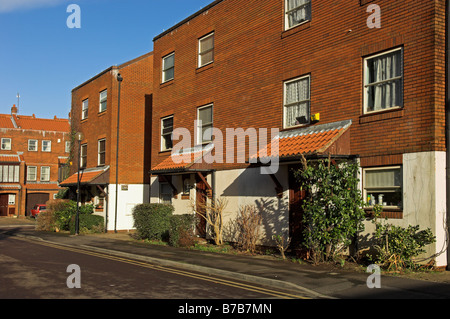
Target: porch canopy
[(89, 176)]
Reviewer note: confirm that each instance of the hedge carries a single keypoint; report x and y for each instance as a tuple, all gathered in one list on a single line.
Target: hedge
[(181, 230), (152, 221), (88, 224)]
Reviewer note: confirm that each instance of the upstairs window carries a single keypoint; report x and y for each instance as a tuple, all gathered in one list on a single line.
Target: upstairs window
[(297, 102), (31, 173), (166, 133), (205, 124), (46, 146), (297, 12), (32, 145), (85, 109), (67, 149), (168, 69), (103, 98), (6, 144), (9, 173), (383, 81), (83, 156), (206, 50), (45, 174), (101, 152)]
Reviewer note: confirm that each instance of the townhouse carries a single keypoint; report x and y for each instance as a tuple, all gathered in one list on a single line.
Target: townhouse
[(317, 79), (33, 158), (111, 113)]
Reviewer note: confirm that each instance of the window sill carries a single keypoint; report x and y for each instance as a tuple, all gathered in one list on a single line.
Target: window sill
[(204, 67), (382, 115), (302, 26), (167, 83), (164, 152), (393, 213)]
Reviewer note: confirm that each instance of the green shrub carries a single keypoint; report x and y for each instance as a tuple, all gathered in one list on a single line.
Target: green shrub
[(88, 223), (63, 212), (152, 221), (181, 230)]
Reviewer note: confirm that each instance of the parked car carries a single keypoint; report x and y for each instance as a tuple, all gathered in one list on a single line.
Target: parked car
[(38, 209)]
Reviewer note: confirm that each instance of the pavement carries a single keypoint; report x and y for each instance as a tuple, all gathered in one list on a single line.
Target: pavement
[(316, 282)]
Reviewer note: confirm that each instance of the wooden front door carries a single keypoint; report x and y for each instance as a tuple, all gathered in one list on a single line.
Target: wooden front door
[(3, 204), (296, 197), (200, 198)]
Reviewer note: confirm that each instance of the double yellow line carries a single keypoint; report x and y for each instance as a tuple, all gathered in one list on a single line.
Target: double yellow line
[(248, 287)]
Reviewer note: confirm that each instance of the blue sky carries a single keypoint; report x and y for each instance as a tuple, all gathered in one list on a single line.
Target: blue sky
[(43, 59)]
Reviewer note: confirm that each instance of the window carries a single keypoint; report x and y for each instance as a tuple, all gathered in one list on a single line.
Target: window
[(9, 173), (166, 133), (383, 186), (83, 156), (45, 174), (31, 173), (297, 12), (103, 98), (46, 146), (383, 81), (6, 144), (85, 109), (12, 199), (165, 193), (206, 50), (205, 124), (168, 70), (101, 152), (32, 145), (297, 102), (67, 146)]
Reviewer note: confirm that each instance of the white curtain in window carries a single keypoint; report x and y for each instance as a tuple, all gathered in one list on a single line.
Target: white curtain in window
[(386, 94), (297, 16), (297, 102)]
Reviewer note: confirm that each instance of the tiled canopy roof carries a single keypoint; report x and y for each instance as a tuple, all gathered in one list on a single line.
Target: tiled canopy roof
[(312, 140), (87, 176)]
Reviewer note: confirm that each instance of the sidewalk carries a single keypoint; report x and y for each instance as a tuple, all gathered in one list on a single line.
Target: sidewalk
[(311, 281)]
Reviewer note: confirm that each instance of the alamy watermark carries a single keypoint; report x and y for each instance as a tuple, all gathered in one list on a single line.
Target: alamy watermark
[(74, 19), (374, 280), (374, 19), (74, 280)]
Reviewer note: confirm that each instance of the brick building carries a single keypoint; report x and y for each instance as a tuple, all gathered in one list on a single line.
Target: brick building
[(33, 155), (328, 81), (95, 114)]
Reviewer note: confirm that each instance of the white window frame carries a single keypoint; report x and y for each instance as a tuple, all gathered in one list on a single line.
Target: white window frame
[(67, 148), (43, 177), (201, 53), (287, 12), (36, 145), (164, 69), (103, 100), (6, 144), (9, 173), (84, 109), (162, 146), (366, 192), (46, 146), (99, 153), (83, 155), (285, 105), (200, 124), (367, 85), (29, 174)]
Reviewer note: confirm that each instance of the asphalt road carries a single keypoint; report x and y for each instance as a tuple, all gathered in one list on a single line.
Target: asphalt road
[(36, 270)]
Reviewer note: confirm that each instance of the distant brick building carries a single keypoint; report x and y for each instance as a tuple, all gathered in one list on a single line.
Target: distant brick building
[(33, 155), (94, 114), (251, 64)]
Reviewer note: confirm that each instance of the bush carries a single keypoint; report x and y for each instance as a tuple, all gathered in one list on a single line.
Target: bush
[(88, 223), (63, 212), (152, 221), (181, 230), (45, 221), (248, 222)]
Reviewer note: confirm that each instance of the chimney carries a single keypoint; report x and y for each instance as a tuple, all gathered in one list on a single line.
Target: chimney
[(14, 110)]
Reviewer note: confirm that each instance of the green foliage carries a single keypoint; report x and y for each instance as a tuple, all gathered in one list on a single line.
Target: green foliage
[(333, 211), (88, 223), (152, 221), (65, 210), (397, 246), (181, 230)]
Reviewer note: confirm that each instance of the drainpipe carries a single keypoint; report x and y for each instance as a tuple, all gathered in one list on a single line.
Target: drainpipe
[(447, 117)]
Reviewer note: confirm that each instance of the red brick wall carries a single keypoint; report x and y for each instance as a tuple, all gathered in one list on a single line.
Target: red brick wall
[(254, 55), (136, 85)]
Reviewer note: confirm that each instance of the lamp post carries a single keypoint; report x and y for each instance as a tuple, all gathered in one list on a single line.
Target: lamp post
[(79, 137), (119, 79)]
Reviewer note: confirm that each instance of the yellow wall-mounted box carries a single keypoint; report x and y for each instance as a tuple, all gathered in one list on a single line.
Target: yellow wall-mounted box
[(315, 117)]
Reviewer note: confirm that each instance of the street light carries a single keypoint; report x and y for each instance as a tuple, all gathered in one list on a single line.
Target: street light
[(119, 79), (79, 137)]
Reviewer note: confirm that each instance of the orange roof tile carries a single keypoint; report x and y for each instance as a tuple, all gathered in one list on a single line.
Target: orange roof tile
[(182, 160), (9, 158), (307, 141), (86, 176), (32, 123), (5, 121)]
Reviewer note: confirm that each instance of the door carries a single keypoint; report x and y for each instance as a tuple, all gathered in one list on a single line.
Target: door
[(200, 198), (4, 205), (35, 199), (296, 197)]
